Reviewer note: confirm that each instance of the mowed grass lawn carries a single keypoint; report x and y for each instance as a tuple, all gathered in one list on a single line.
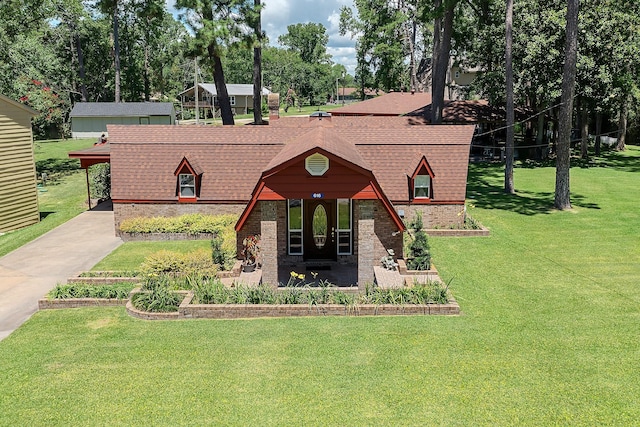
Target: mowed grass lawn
[(550, 335), (65, 195)]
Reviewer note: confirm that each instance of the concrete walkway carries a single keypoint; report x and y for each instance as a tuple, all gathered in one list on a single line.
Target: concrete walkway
[(30, 271)]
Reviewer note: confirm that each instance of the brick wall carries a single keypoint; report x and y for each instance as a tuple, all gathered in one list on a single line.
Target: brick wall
[(434, 215)]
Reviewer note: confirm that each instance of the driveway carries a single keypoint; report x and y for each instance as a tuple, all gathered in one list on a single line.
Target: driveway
[(29, 272)]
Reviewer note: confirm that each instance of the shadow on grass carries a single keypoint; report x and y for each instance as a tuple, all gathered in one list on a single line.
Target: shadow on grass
[(486, 190), (622, 161), (57, 166), (43, 215)]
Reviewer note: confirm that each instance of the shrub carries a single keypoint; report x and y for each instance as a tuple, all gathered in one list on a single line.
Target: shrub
[(420, 252), (223, 249), (159, 300), (168, 262), (188, 223), (85, 290), (100, 181)]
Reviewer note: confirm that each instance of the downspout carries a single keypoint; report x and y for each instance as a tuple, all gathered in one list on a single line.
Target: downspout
[(86, 170)]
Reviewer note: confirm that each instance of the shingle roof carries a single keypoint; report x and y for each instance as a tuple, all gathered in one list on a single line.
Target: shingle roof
[(120, 109), (390, 104), (144, 158)]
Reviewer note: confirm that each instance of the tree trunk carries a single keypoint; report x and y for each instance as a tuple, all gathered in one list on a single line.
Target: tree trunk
[(221, 88), (584, 129), (563, 160), (598, 132), (116, 51), (622, 124), (257, 69), (442, 28), (508, 166)]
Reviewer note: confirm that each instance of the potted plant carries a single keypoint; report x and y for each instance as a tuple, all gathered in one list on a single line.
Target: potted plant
[(250, 252)]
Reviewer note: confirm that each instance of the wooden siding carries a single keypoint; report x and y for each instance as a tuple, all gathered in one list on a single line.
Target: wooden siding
[(18, 191)]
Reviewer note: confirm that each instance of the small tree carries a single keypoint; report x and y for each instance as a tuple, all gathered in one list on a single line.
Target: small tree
[(419, 247)]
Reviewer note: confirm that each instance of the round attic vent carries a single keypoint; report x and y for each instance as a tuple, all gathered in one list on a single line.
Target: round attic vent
[(316, 164)]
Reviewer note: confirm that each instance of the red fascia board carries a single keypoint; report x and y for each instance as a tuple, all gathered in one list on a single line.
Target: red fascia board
[(247, 210), (423, 163), (388, 206)]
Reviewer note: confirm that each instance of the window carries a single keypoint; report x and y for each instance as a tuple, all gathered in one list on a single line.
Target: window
[(232, 100), (294, 215), (344, 227), (187, 185), (421, 186)]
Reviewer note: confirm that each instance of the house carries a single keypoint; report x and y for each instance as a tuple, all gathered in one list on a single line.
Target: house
[(317, 189), (240, 96), (18, 190), (352, 94), (90, 119)]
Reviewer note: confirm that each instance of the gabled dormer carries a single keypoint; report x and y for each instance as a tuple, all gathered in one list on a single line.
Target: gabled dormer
[(188, 181), (420, 182)]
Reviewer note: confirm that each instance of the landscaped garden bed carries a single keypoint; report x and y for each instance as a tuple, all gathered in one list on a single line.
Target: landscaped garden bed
[(74, 295)]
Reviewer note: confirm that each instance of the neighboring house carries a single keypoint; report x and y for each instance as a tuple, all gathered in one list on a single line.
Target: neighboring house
[(316, 189), (240, 96), (90, 119), (18, 187), (458, 79)]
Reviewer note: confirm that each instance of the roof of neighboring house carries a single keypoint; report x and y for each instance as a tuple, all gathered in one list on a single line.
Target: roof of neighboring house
[(232, 89), (144, 158), (120, 109), (347, 91), (18, 105), (464, 112), (390, 104)]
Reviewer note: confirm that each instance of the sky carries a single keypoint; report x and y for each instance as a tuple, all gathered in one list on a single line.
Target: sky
[(278, 14)]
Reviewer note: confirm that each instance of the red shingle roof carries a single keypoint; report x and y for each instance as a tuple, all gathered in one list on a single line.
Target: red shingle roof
[(390, 104), (144, 158)]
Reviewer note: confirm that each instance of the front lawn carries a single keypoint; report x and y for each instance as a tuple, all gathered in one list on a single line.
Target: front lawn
[(64, 195), (129, 255), (549, 336)]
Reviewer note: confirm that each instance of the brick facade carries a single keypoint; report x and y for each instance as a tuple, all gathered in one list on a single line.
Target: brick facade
[(434, 215)]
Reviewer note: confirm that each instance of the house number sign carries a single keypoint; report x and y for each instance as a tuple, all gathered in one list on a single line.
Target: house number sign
[(317, 196)]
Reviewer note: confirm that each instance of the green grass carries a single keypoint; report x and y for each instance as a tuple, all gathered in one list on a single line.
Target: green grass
[(129, 255), (549, 336), (65, 195)]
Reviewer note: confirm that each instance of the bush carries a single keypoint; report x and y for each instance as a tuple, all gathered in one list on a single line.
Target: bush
[(159, 300), (189, 223), (100, 181), (420, 252), (223, 249), (84, 290), (168, 262)]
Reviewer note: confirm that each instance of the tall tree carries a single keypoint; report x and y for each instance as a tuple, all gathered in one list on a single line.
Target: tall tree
[(215, 23), (257, 63), (442, 31), (563, 160), (508, 168), (111, 8), (308, 40)]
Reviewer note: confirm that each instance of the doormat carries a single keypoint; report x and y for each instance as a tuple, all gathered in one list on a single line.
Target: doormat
[(318, 267)]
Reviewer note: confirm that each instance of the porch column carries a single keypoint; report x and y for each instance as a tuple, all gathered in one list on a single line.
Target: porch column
[(269, 242), (366, 236)]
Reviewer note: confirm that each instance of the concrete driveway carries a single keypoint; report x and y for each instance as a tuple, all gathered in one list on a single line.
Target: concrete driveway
[(29, 272)]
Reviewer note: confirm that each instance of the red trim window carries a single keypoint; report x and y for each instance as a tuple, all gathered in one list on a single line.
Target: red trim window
[(188, 183), (421, 182)]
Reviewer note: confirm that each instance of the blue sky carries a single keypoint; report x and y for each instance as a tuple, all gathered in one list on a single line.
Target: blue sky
[(278, 14)]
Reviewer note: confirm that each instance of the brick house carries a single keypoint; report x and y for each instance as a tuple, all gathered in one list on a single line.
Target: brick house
[(316, 189)]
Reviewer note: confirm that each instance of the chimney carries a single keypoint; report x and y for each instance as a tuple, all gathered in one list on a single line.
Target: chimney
[(273, 102)]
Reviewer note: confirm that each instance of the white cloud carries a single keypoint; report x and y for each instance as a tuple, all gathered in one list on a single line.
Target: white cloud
[(278, 14)]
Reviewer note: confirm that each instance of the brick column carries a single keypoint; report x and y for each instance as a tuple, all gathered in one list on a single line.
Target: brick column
[(269, 243), (366, 236)]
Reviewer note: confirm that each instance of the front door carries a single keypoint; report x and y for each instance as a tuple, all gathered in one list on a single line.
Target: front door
[(319, 229)]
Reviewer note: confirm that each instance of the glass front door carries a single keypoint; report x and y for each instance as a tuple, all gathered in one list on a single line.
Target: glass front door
[(319, 229)]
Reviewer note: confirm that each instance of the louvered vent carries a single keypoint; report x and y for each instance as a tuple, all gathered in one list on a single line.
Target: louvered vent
[(316, 164)]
